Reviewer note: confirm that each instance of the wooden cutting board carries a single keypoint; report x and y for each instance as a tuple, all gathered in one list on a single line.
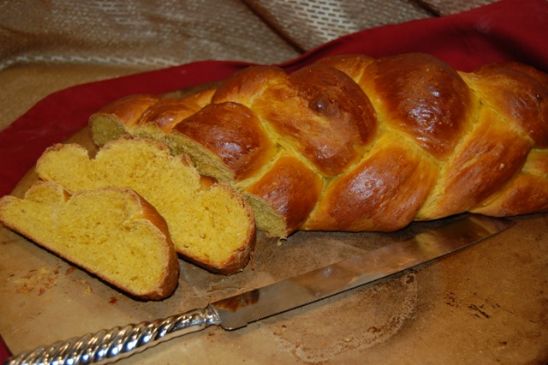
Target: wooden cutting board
[(44, 299)]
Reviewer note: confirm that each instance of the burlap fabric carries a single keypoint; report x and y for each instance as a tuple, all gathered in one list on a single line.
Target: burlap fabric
[(307, 24), (160, 33), (57, 43)]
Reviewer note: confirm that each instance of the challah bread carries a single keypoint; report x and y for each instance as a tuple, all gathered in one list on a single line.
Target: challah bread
[(112, 233), (210, 223), (354, 143)]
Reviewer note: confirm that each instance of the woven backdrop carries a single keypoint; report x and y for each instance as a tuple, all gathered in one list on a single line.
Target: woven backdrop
[(159, 33)]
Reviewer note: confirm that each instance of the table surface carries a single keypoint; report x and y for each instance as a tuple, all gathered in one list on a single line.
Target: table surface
[(485, 305)]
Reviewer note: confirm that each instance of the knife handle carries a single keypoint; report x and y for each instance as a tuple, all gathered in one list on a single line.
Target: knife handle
[(119, 342)]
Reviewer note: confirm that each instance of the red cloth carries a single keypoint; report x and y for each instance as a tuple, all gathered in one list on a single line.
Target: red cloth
[(508, 30), (4, 352)]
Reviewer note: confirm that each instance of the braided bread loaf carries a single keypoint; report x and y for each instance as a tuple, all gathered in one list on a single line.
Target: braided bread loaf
[(353, 143)]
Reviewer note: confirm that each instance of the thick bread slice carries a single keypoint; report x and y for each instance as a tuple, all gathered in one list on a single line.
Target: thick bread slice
[(112, 233), (210, 223), (107, 126)]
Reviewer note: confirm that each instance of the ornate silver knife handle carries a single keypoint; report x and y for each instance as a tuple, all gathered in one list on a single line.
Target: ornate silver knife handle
[(119, 342)]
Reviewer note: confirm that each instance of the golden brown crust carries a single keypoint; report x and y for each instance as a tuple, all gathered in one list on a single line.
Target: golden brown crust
[(199, 98), (526, 192), (332, 94), (291, 188), (167, 112), (520, 93), (322, 113), (467, 135), (130, 108), (486, 162), (383, 193), (524, 195), (233, 132), (422, 96), (352, 65), (247, 84)]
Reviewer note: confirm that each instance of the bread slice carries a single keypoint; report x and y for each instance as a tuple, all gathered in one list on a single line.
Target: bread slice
[(113, 122), (209, 222), (112, 233)]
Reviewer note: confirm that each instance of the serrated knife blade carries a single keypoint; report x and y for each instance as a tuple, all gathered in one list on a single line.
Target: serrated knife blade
[(426, 244)]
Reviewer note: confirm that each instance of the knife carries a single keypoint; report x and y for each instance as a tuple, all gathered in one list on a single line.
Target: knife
[(428, 242)]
